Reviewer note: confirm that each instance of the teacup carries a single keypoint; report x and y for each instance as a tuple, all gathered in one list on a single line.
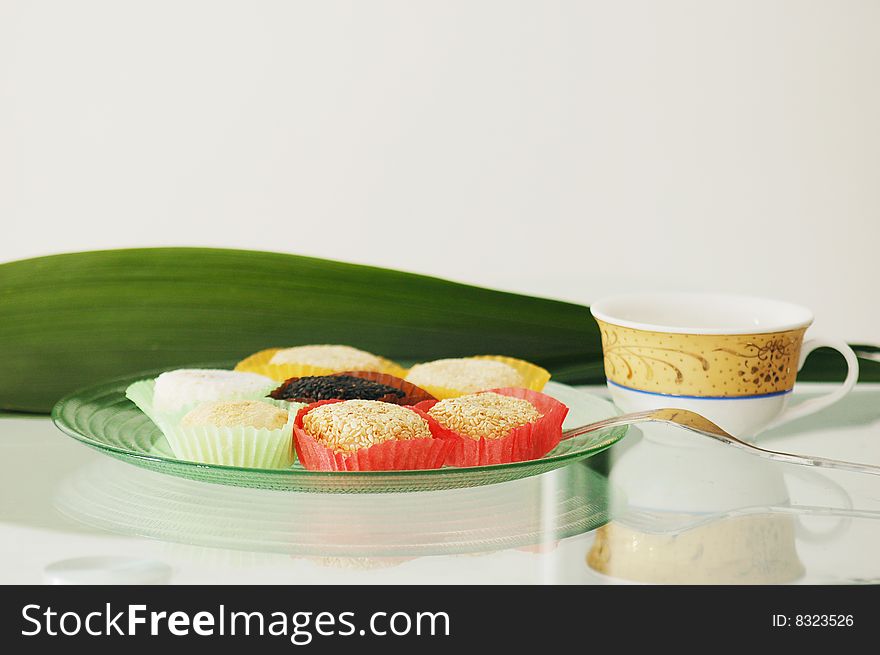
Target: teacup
[(733, 359)]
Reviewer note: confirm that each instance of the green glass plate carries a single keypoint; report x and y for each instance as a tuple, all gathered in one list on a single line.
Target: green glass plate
[(103, 418)]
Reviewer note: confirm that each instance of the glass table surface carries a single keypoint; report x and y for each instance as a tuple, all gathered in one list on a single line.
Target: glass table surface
[(661, 506)]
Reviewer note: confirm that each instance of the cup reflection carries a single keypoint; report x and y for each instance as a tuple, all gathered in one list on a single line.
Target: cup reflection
[(706, 514)]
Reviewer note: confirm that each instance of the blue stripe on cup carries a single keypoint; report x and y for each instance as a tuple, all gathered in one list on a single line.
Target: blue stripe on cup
[(672, 395)]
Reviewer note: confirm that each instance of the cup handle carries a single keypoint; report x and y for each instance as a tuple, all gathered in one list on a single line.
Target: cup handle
[(816, 404)]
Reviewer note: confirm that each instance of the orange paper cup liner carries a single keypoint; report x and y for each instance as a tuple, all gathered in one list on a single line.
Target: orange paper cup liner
[(393, 455), (261, 363), (530, 441), (534, 377)]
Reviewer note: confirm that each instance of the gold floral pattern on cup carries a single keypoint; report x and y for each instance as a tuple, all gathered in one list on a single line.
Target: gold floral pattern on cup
[(704, 365)]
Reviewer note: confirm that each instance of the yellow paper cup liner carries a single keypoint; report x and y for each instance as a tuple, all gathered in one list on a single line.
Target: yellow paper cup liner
[(533, 376), (260, 363), (228, 446)]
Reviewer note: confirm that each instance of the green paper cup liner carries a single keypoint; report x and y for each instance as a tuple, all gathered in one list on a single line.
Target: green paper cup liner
[(141, 394), (234, 446), (228, 446)]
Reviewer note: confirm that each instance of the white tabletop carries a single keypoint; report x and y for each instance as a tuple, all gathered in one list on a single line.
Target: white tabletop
[(742, 519)]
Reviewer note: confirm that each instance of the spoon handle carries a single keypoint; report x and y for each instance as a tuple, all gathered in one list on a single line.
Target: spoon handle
[(802, 460), (701, 425)]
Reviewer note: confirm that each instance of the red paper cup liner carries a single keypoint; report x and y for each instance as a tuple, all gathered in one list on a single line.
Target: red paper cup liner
[(530, 441), (393, 455)]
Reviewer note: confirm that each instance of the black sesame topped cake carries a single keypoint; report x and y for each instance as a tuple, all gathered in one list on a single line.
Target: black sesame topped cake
[(350, 385), (313, 388)]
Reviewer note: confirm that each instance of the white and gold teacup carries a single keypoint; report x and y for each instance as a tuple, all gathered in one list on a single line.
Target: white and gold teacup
[(733, 359)]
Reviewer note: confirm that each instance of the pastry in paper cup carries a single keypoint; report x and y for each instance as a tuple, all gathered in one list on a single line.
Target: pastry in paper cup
[(173, 393), (449, 378), (350, 385), (499, 426), (281, 364), (368, 435), (412, 394), (244, 433), (228, 445)]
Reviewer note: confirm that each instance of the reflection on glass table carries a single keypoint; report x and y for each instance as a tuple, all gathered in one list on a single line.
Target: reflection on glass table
[(118, 497), (700, 513)]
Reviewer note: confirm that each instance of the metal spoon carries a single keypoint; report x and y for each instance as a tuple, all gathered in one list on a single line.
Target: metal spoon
[(701, 425)]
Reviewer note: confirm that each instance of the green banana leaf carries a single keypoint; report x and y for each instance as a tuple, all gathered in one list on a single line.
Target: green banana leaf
[(67, 321)]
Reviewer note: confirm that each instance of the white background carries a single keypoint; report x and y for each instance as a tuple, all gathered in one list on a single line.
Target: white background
[(572, 149)]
